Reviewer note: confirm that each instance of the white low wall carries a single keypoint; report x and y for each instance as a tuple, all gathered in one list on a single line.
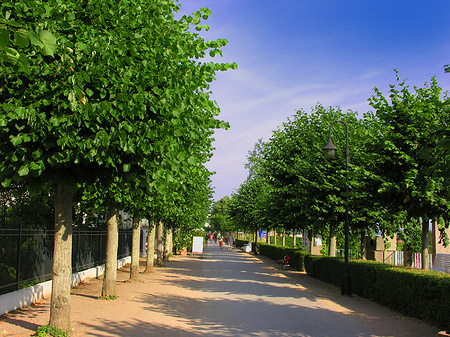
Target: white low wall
[(27, 296)]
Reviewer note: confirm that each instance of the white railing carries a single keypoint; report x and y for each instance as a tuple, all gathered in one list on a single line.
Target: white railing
[(399, 258), (416, 259), (396, 258)]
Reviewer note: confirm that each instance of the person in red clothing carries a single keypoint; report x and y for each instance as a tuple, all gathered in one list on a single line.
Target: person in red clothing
[(220, 238)]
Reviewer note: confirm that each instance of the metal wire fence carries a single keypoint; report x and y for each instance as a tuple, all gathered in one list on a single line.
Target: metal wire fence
[(26, 255)]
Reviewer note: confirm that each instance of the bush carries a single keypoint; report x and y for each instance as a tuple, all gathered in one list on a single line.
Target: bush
[(296, 256), (240, 243), (183, 238), (7, 276)]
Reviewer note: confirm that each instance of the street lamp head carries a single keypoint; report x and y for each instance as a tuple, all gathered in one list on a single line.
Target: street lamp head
[(329, 150)]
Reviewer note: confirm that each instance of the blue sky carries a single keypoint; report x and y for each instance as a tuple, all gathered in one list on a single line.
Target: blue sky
[(293, 54)]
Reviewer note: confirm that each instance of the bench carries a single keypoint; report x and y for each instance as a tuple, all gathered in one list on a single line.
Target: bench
[(247, 247), (284, 262)]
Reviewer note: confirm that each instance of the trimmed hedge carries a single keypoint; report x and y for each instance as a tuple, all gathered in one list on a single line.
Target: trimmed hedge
[(296, 257), (240, 243), (418, 293)]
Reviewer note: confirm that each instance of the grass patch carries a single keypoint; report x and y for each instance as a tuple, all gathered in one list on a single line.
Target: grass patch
[(48, 330)]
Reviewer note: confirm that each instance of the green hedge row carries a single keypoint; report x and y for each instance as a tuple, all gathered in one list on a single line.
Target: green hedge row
[(418, 293), (296, 257), (240, 243)]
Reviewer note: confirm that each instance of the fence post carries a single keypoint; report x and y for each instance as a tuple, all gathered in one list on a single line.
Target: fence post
[(91, 243), (100, 249), (77, 262), (19, 244)]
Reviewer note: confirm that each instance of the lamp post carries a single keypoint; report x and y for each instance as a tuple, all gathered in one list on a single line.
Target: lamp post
[(329, 152)]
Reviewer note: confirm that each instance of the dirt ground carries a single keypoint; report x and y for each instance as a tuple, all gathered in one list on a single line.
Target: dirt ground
[(137, 311), (91, 316)]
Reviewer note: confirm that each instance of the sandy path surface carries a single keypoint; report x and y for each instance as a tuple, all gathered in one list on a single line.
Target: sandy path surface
[(193, 296)]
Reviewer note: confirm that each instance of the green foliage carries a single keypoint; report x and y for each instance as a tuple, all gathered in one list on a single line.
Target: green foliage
[(397, 169), (411, 237), (414, 292), (30, 208), (116, 104), (240, 243), (291, 186), (327, 269), (183, 238), (289, 241), (7, 274), (219, 218), (14, 36), (30, 283), (48, 330), (296, 256), (150, 131), (404, 149)]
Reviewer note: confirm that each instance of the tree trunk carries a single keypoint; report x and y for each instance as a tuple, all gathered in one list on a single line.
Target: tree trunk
[(275, 237), (332, 243), (171, 241), (434, 242), (168, 244), (294, 244), (112, 243), (159, 244), (267, 236), (363, 244), (425, 230), (150, 247), (62, 258), (284, 238), (134, 270)]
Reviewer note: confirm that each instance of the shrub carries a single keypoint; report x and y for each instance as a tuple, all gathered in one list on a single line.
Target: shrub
[(183, 238), (240, 243), (296, 256)]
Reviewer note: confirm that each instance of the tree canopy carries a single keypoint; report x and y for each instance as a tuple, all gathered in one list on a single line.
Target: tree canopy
[(397, 171)]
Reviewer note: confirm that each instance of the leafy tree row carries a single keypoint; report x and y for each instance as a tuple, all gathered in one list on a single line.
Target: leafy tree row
[(117, 114), (397, 175)]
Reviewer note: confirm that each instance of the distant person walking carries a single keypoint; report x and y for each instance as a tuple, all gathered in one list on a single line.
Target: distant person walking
[(230, 240)]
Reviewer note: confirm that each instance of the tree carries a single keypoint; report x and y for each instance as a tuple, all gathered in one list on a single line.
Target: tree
[(219, 218), (402, 171), (65, 123), (294, 187)]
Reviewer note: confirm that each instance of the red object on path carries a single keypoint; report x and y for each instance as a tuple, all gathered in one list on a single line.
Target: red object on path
[(284, 262)]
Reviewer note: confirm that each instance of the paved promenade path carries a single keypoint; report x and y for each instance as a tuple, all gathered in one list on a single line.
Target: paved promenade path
[(224, 293)]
